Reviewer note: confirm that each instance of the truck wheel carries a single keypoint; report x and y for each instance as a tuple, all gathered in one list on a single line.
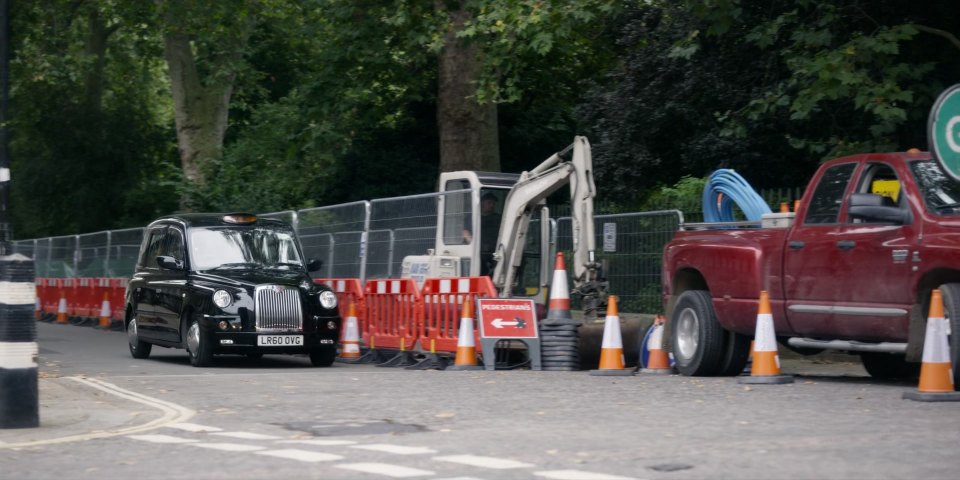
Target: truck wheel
[(888, 366), (735, 354), (951, 310), (698, 339)]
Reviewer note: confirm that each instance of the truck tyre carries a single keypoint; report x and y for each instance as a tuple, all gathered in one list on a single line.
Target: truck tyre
[(735, 354), (951, 310), (889, 366), (698, 339)]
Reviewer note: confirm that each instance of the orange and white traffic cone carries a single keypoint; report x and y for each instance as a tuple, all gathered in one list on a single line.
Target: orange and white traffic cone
[(560, 344), (559, 306), (936, 371), (466, 358), (350, 343), (62, 309), (105, 312), (658, 361), (766, 361), (611, 351)]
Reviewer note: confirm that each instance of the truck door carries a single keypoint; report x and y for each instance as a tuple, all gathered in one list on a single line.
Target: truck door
[(874, 260), (809, 259)]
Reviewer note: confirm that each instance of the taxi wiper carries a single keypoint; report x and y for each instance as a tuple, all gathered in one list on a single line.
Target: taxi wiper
[(236, 265)]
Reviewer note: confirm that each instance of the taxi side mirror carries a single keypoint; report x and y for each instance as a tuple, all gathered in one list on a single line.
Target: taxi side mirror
[(169, 263), (314, 265)]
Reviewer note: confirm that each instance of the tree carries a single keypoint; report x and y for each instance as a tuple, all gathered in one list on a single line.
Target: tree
[(204, 44), (89, 144)]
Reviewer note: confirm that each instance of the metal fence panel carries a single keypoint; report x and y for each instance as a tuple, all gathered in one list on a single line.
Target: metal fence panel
[(62, 258), (26, 248), (335, 235), (402, 226), (122, 254), (630, 246), (92, 254)]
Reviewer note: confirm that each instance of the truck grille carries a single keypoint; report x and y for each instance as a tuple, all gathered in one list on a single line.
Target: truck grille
[(278, 308)]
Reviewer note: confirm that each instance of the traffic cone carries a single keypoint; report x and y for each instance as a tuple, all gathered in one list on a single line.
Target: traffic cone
[(62, 308), (784, 208), (611, 351), (658, 361), (105, 312), (350, 344), (766, 361), (559, 306), (466, 358), (936, 372)]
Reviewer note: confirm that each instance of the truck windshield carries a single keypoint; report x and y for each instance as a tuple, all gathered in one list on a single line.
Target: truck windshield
[(940, 192), (242, 247)]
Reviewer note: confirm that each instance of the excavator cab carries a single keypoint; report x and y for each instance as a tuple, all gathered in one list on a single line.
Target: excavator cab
[(470, 213)]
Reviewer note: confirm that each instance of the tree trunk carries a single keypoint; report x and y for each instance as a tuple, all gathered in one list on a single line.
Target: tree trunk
[(200, 111), (96, 47), (468, 130)]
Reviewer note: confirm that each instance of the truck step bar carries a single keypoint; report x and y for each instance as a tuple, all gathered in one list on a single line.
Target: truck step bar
[(849, 345)]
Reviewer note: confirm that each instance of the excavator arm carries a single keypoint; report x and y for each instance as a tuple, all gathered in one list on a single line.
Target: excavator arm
[(530, 191)]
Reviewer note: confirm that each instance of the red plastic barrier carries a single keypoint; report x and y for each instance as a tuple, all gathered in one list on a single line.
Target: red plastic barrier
[(100, 289), (442, 304), (86, 291), (71, 287), (394, 312), (51, 295), (118, 291), (349, 290)]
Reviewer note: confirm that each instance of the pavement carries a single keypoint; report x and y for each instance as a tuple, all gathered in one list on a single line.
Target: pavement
[(81, 408)]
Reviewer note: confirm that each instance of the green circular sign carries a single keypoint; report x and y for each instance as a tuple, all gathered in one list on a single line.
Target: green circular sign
[(943, 129)]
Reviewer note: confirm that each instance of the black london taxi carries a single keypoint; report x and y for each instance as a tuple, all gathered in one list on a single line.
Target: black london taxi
[(228, 284)]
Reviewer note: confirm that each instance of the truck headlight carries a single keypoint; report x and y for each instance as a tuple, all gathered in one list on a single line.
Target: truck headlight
[(222, 298), (328, 299)]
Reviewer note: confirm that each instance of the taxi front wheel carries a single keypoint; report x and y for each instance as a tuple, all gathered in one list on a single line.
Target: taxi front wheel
[(198, 345), (323, 357)]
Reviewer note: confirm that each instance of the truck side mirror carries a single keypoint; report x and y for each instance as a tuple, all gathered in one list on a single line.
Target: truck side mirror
[(314, 265), (876, 209), (169, 263)]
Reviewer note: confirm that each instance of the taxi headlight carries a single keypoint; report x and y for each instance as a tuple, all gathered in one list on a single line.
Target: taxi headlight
[(222, 298), (328, 299)]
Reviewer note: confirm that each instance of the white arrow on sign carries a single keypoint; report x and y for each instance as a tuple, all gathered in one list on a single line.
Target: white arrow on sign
[(500, 323)]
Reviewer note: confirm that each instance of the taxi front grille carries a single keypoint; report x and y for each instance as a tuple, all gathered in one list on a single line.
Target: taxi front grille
[(278, 308)]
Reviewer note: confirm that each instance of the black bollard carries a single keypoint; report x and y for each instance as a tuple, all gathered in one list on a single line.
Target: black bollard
[(19, 396)]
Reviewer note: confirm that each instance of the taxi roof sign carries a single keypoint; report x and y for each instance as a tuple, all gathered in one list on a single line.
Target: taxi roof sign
[(943, 130)]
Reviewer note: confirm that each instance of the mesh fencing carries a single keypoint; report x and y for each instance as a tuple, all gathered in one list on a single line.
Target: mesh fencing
[(630, 248), (334, 235)]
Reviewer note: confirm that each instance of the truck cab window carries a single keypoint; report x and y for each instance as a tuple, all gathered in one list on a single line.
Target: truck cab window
[(879, 179), (828, 197), (940, 192)]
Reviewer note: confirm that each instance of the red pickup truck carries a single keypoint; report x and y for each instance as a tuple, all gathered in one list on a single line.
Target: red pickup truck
[(851, 270)]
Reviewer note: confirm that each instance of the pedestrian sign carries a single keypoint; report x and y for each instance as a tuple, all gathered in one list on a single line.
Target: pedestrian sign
[(507, 318), (943, 129)]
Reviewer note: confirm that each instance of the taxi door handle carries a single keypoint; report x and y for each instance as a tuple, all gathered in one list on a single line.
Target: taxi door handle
[(846, 244), (796, 244)]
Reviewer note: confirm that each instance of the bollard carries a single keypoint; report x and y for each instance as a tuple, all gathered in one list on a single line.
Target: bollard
[(19, 396)]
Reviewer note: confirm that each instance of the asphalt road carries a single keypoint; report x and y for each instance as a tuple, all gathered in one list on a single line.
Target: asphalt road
[(278, 417)]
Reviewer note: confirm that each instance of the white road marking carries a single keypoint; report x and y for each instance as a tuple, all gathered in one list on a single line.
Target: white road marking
[(162, 439), (483, 462), (396, 449), (246, 435), (171, 413), (229, 447), (395, 471), (320, 442), (301, 455), (193, 427), (578, 475)]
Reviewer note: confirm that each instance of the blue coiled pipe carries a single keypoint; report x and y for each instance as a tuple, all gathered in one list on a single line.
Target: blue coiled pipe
[(735, 190)]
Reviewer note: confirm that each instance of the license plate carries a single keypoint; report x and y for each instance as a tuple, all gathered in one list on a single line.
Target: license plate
[(280, 340)]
